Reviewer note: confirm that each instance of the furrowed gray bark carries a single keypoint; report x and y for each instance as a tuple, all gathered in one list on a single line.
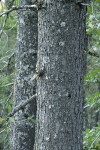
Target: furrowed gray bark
[(23, 128), (61, 45)]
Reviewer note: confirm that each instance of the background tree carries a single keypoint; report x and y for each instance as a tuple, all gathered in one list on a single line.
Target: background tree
[(23, 126)]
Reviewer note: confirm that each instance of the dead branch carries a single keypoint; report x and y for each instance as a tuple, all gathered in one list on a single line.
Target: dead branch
[(93, 54), (13, 8), (21, 106)]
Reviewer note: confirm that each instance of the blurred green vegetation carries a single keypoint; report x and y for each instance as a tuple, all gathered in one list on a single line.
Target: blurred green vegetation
[(91, 136), (7, 65)]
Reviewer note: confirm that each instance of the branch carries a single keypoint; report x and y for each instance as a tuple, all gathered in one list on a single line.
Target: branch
[(93, 54), (4, 25), (22, 105), (13, 8), (7, 85), (16, 109), (11, 3)]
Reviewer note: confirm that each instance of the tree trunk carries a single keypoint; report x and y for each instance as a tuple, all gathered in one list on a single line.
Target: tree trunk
[(23, 128), (61, 44)]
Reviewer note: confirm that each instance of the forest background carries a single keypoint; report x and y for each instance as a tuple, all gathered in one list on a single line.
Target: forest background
[(8, 31)]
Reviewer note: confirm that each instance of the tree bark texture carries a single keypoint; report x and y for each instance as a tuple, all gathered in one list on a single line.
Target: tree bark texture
[(23, 128), (61, 45)]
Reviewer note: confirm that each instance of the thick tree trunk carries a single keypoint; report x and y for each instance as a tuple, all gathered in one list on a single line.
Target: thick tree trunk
[(23, 128), (61, 44)]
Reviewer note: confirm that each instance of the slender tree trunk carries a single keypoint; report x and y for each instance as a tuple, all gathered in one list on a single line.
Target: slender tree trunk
[(61, 44), (23, 128)]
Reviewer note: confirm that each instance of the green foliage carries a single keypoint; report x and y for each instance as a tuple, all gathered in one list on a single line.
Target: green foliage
[(7, 48), (93, 75), (91, 138), (93, 101), (93, 24), (11, 21)]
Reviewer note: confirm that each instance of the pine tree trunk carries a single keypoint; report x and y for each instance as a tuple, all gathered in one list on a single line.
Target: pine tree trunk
[(61, 44), (23, 128)]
